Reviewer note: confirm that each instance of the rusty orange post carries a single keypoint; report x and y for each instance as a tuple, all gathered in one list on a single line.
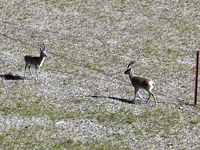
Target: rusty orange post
[(196, 78)]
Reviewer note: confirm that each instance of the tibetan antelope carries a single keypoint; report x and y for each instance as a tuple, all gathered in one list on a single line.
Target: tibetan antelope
[(140, 83), (35, 61)]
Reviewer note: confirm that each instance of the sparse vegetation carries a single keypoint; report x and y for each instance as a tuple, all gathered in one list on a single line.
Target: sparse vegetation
[(82, 98)]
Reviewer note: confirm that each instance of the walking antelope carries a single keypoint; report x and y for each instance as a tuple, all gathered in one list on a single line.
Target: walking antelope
[(140, 83), (35, 61)]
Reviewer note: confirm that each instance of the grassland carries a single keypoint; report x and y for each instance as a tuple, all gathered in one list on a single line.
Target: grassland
[(82, 99)]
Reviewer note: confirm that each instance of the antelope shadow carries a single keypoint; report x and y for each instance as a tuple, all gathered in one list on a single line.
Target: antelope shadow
[(122, 99), (113, 98), (11, 77)]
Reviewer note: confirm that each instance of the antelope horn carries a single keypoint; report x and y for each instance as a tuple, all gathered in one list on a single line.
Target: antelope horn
[(43, 46), (130, 63)]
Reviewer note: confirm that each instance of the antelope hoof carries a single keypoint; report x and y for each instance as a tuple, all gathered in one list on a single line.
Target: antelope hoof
[(133, 101)]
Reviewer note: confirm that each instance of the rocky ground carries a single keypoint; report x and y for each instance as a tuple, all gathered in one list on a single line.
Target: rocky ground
[(83, 99)]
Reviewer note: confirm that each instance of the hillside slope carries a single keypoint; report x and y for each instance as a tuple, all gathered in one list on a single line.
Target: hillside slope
[(82, 99)]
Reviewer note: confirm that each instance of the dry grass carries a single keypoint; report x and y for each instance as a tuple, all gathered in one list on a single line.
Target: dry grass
[(82, 98)]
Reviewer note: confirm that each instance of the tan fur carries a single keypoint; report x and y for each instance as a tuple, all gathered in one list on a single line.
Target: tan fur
[(140, 83), (35, 61)]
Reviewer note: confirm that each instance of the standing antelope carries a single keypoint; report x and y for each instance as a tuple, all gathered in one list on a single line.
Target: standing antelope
[(140, 83), (35, 61)]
